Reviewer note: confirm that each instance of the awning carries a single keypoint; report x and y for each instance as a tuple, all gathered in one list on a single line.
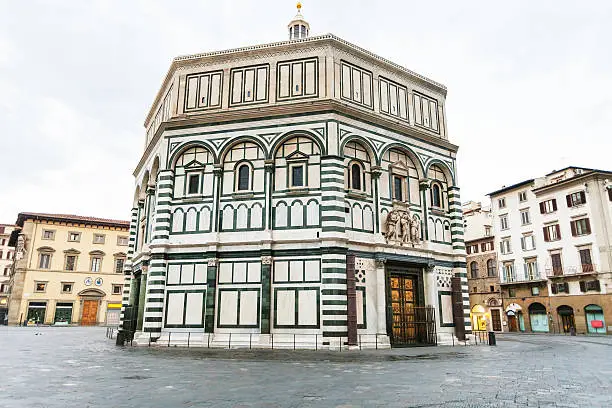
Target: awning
[(513, 307)]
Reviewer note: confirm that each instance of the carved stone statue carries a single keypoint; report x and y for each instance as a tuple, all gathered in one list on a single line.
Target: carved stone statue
[(415, 230), (20, 248), (391, 224), (403, 227), (405, 222)]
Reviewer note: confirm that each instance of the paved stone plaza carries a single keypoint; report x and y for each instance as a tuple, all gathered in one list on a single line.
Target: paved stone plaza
[(79, 367)]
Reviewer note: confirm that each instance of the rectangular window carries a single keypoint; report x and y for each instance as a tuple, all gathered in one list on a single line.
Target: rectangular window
[(40, 287), (119, 262), (202, 91), (67, 287), (548, 206), (74, 236), (356, 85), (557, 265), (96, 262), (193, 186), (503, 222), (122, 241), (525, 218), (580, 227), (552, 233), (505, 247), (501, 203), (575, 199), (117, 289), (397, 188), (297, 176), (535, 291), (45, 261), (528, 242), (511, 292), (99, 238), (70, 263), (48, 234), (509, 274), (523, 196), (585, 260), (531, 269)]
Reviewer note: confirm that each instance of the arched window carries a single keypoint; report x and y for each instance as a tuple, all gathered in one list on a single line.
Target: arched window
[(298, 154), (244, 173), (474, 270), (491, 269), (436, 201), (356, 176), (403, 176)]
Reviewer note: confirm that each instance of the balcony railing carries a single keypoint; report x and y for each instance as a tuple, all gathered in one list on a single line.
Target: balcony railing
[(571, 270), (522, 276)]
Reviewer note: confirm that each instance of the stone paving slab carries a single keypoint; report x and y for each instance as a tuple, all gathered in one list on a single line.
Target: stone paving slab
[(78, 367)]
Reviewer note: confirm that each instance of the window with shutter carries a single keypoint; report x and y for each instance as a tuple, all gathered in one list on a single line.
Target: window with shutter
[(556, 264), (554, 204), (546, 236), (553, 288), (583, 286)]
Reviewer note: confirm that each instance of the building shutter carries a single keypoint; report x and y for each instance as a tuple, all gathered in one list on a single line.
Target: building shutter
[(558, 228), (554, 202), (565, 287), (546, 236), (596, 285), (573, 227), (553, 288), (523, 243), (588, 225), (542, 208), (582, 197), (583, 286), (568, 198)]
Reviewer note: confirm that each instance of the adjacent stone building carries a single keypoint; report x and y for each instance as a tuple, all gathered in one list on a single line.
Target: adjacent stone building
[(483, 278), (6, 261), (554, 241), (68, 269), (301, 188)]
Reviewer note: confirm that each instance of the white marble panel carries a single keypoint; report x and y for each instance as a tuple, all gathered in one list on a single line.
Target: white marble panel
[(447, 309), (191, 219), (311, 270), (297, 214), (256, 216), (285, 307), (204, 224), (207, 187), (177, 221), (187, 273), (307, 308), (281, 215), (281, 271), (200, 273), (248, 307), (296, 271), (359, 303), (225, 272), (195, 309), (228, 308), (175, 308), (174, 274), (240, 272), (312, 213), (241, 217), (228, 218), (254, 272)]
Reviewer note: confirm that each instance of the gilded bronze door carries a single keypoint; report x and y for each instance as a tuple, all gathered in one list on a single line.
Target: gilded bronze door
[(403, 302)]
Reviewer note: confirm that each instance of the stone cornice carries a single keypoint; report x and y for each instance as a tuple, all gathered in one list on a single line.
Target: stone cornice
[(302, 108), (289, 45)]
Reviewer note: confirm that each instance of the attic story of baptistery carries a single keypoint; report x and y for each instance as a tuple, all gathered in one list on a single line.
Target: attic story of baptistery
[(300, 188)]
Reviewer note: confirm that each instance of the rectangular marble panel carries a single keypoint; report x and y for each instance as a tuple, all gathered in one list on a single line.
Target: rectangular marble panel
[(200, 271), (285, 307), (262, 84), (187, 273), (240, 272), (312, 270), (174, 274), (308, 308), (175, 308), (254, 272), (296, 271), (248, 307), (225, 272), (228, 308), (281, 271), (215, 90), (310, 85), (195, 306), (284, 85)]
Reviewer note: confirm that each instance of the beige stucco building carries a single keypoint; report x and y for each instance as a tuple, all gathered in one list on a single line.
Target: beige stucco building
[(68, 269)]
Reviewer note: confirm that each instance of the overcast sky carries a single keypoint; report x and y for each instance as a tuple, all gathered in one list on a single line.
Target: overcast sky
[(529, 83)]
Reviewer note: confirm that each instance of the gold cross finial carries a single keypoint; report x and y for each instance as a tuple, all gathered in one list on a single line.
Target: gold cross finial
[(299, 6)]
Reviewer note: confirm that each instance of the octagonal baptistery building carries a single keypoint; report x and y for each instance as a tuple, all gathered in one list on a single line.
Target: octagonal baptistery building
[(300, 193)]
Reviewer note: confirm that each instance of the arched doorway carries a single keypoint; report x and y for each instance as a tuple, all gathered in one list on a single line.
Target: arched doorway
[(566, 315), (496, 313), (516, 322), (595, 319), (479, 320), (538, 318), (90, 306)]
